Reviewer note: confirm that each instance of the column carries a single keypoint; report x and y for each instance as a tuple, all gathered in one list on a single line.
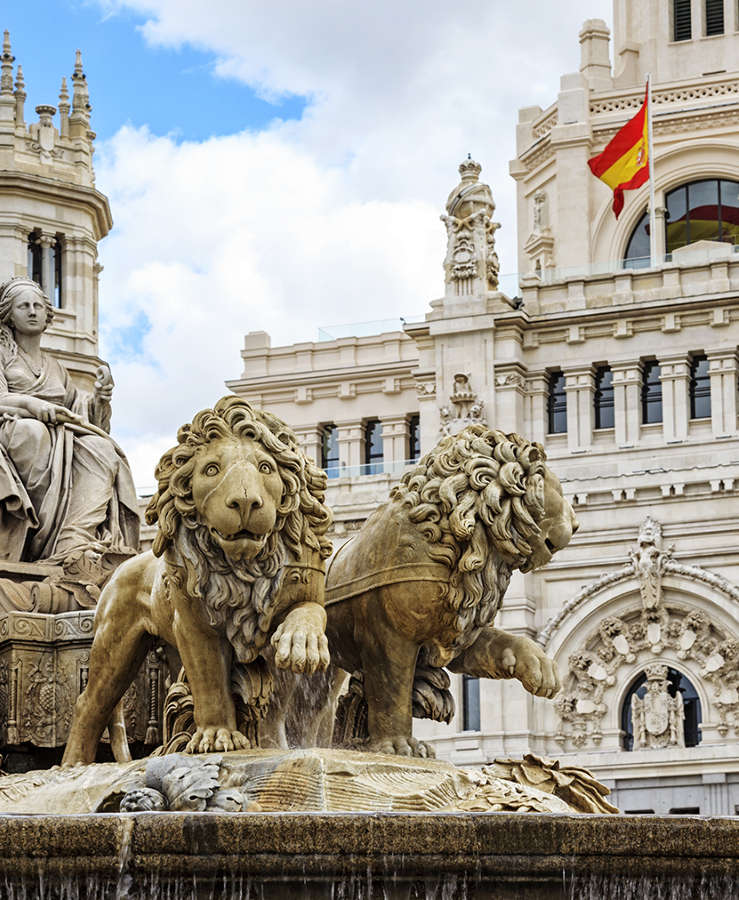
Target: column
[(47, 242), (394, 442), (722, 367), (627, 402), (537, 387), (350, 445), (309, 438), (675, 378), (510, 395), (580, 388)]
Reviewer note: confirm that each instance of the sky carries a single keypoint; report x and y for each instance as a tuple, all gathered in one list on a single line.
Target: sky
[(281, 166)]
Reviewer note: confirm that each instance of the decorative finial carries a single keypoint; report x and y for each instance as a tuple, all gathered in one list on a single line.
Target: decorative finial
[(6, 66), (19, 82), (80, 118), (78, 64), (20, 96), (63, 109), (469, 169)]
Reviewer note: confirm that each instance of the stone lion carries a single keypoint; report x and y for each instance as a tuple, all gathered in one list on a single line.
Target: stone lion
[(237, 564), (419, 587)]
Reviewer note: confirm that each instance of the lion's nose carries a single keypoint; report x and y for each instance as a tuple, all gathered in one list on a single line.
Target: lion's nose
[(575, 524), (244, 502)]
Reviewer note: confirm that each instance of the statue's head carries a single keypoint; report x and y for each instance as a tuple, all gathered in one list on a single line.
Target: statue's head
[(20, 291)]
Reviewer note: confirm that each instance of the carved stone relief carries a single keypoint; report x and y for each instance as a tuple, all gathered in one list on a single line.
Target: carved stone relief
[(646, 633), (465, 408), (657, 717)]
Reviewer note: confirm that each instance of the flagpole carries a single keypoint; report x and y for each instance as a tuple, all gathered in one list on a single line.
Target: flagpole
[(650, 157)]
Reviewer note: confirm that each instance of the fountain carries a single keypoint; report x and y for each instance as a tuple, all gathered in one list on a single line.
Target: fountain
[(248, 794)]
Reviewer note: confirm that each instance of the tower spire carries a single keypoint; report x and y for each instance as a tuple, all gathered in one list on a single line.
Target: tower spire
[(20, 96), (80, 119), (63, 109), (7, 100)]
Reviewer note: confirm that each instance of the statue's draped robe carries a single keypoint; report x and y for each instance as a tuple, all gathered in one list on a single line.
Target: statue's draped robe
[(60, 490)]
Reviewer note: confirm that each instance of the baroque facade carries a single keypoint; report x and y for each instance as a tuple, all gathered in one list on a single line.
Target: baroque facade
[(625, 371)]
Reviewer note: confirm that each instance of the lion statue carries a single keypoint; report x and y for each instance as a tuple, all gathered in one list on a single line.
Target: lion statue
[(237, 564), (418, 588)]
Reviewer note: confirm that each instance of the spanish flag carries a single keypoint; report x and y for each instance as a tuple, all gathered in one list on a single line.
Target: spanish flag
[(624, 164)]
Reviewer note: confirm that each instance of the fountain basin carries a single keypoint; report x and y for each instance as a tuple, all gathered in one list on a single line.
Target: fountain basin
[(385, 855)]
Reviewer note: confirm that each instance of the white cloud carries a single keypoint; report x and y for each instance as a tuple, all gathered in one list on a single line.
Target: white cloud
[(332, 218)]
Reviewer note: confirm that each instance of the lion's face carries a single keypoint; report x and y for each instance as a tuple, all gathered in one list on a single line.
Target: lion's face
[(237, 489), (557, 526)]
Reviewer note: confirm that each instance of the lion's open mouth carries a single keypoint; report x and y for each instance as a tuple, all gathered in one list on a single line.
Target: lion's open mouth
[(243, 535)]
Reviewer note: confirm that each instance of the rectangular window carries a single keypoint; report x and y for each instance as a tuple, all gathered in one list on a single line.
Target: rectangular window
[(470, 703), (414, 438), (34, 258), (651, 393), (56, 299), (330, 450), (373, 450), (603, 400), (557, 404), (700, 389), (681, 25), (714, 17)]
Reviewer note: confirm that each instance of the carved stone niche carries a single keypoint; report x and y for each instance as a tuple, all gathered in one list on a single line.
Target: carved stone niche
[(44, 659)]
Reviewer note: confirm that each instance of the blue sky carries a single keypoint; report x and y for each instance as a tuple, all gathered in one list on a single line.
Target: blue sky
[(172, 90)]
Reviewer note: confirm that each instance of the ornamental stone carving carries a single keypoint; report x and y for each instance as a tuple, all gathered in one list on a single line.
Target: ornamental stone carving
[(472, 265), (465, 408), (657, 718), (644, 634)]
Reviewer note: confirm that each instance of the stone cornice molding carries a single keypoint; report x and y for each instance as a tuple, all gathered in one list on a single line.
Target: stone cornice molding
[(55, 191), (627, 573)]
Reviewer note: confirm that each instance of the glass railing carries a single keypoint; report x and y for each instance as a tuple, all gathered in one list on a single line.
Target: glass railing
[(395, 467)]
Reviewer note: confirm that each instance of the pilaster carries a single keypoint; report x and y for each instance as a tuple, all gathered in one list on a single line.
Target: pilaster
[(394, 440), (309, 438), (537, 392), (722, 368), (675, 378), (626, 402), (580, 389), (350, 444), (510, 398)]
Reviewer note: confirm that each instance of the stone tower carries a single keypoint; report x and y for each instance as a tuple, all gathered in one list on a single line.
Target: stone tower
[(51, 215)]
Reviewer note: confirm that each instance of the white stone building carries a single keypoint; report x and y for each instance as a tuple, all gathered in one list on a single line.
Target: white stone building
[(625, 371), (51, 214)]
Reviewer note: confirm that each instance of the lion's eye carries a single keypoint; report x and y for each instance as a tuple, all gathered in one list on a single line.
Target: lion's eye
[(266, 467), (211, 469)]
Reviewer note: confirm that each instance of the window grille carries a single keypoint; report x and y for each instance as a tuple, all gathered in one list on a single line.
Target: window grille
[(700, 389), (651, 393), (414, 437), (714, 17), (557, 404), (681, 24), (604, 412)]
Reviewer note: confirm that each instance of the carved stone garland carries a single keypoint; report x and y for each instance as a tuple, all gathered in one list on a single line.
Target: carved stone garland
[(655, 627)]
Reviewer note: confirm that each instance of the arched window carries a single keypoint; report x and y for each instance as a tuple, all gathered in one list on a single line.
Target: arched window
[(373, 450), (330, 450), (700, 388), (677, 684), (603, 398), (557, 404), (470, 703), (705, 210), (651, 393), (414, 437)]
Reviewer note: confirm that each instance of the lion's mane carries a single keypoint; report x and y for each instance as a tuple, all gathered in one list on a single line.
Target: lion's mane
[(477, 498), (238, 596)]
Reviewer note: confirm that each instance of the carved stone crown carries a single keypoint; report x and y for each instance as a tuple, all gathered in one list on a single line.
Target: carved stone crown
[(656, 672), (650, 532), (469, 169)]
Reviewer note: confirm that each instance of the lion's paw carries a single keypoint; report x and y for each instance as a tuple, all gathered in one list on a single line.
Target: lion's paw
[(527, 662), (214, 739), (300, 641), (402, 745)]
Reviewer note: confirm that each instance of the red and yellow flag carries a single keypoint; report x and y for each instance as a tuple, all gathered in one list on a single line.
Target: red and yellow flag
[(624, 164)]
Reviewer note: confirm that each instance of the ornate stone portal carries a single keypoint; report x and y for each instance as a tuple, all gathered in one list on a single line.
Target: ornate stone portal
[(641, 637)]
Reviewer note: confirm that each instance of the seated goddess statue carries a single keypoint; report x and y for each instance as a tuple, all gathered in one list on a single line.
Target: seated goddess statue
[(66, 489)]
